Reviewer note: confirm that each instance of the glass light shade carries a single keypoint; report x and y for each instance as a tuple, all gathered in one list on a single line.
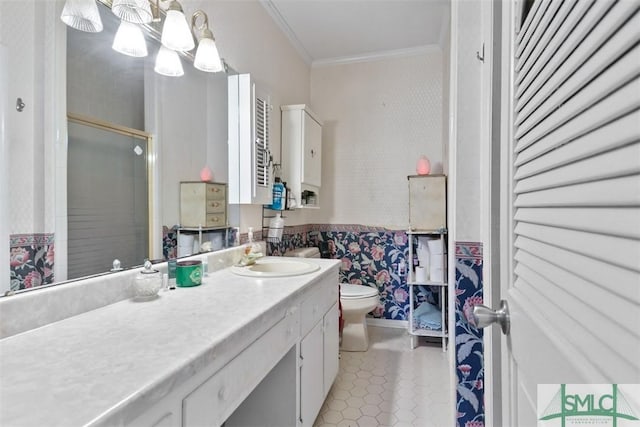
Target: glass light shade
[(176, 34), (130, 40), (168, 63), (135, 11), (82, 15), (207, 57)]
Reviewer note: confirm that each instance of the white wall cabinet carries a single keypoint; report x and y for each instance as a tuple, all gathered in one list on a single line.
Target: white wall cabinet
[(302, 153), (250, 173)]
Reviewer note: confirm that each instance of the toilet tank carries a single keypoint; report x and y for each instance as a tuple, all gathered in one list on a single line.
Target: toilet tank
[(304, 253)]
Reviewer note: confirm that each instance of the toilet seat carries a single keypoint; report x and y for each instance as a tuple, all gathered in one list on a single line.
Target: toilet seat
[(348, 291)]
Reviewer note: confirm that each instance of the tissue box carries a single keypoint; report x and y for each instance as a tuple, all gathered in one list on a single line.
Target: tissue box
[(427, 202)]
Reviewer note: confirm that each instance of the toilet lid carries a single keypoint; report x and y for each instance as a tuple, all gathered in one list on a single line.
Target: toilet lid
[(349, 291)]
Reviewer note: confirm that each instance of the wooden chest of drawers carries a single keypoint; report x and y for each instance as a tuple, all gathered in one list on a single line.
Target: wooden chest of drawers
[(203, 204)]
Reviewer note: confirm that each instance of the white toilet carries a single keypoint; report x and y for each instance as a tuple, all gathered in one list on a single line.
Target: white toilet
[(356, 301)]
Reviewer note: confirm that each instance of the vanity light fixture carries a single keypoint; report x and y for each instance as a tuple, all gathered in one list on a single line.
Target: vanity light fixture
[(207, 57), (168, 63), (129, 40), (176, 34), (134, 11), (82, 15)]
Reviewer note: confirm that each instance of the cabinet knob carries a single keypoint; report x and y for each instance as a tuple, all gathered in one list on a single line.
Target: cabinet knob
[(222, 393)]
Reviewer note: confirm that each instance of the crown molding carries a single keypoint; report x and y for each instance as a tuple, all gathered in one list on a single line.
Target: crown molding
[(275, 14), (376, 56)]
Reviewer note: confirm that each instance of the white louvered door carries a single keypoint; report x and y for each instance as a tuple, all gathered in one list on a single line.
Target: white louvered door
[(571, 257)]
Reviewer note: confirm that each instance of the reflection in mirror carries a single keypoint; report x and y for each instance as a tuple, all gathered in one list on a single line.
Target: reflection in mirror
[(186, 119), (107, 196), (108, 203)]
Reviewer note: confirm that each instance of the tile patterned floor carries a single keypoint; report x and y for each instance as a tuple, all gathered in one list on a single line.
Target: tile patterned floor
[(390, 385)]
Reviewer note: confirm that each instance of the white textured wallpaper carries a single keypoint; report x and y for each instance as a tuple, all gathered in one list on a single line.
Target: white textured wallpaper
[(379, 117), (29, 133)]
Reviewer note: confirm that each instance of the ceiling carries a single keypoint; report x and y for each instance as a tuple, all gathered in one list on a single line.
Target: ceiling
[(333, 31)]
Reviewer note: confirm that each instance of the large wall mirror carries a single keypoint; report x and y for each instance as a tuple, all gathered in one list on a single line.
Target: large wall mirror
[(131, 137)]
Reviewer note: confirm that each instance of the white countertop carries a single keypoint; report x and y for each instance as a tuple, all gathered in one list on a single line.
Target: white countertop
[(109, 365)]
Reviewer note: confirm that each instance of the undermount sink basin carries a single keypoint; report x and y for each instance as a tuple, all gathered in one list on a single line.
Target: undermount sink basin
[(276, 267)]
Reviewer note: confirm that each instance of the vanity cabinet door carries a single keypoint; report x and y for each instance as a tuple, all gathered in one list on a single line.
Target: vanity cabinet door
[(331, 344), (311, 375)]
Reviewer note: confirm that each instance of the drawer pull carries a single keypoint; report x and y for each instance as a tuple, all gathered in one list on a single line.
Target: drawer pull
[(222, 393)]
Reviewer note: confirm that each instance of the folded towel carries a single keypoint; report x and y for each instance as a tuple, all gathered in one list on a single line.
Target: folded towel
[(427, 316)]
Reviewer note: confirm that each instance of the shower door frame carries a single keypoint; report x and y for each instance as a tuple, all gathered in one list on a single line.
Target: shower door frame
[(152, 235)]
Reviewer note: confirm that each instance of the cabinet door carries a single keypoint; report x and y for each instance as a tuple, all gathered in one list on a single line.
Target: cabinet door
[(331, 344), (311, 377), (311, 151)]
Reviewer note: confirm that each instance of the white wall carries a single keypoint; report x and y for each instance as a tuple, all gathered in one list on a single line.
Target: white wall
[(467, 138), (4, 175), (379, 117), (29, 133), (445, 43)]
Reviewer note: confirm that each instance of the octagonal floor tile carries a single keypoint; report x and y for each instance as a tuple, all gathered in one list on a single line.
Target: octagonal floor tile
[(389, 385)]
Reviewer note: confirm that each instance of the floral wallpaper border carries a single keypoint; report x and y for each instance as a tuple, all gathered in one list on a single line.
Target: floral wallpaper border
[(370, 256), (469, 346), (31, 260), (17, 240)]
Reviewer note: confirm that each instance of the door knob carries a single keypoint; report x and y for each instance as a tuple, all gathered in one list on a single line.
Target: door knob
[(483, 316)]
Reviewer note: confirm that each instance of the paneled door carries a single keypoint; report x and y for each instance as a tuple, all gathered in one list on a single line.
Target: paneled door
[(570, 250)]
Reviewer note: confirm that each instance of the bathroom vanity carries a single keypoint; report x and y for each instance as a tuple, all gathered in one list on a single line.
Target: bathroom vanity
[(235, 350)]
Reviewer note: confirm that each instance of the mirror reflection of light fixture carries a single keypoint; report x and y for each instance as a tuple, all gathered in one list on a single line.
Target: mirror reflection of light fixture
[(176, 34), (135, 11), (82, 15), (168, 63), (207, 57), (130, 40)]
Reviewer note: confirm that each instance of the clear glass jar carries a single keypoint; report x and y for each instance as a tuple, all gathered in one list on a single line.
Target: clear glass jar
[(148, 283)]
